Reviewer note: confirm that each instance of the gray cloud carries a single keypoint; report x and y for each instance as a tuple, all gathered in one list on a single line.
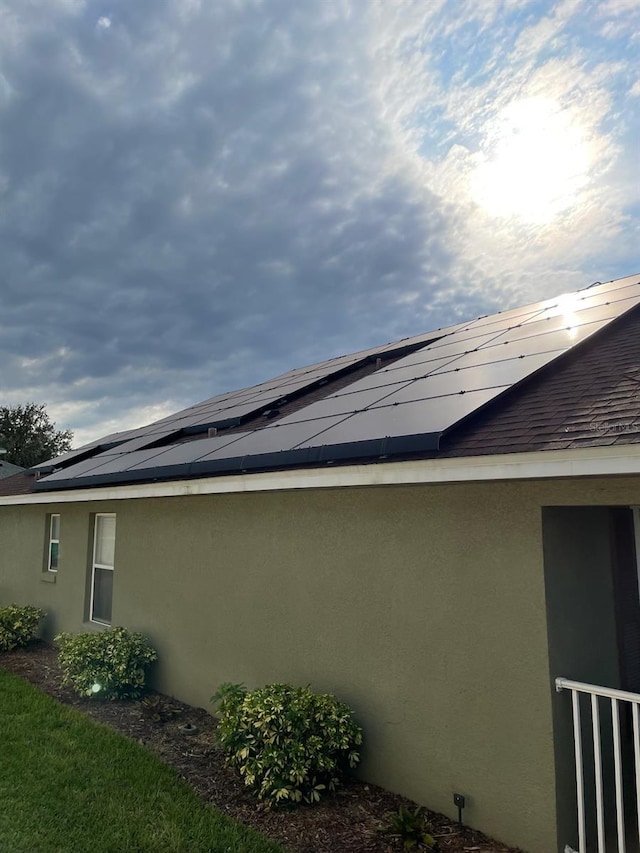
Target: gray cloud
[(196, 196)]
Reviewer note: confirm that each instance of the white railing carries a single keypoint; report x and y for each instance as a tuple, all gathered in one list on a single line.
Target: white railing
[(615, 697)]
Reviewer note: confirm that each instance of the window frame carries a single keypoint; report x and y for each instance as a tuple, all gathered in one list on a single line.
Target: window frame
[(100, 566), (52, 541)]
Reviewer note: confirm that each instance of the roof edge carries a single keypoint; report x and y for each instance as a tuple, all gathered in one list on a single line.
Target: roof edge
[(545, 464)]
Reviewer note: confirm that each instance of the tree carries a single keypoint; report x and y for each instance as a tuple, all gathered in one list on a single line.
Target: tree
[(29, 435)]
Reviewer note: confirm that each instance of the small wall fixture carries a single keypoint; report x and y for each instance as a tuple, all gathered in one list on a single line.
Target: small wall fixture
[(459, 800)]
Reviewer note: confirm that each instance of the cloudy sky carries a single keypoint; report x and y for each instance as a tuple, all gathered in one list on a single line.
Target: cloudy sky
[(198, 195)]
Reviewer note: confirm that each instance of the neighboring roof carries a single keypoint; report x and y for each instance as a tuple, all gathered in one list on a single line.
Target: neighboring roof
[(7, 469), (527, 378), (17, 484)]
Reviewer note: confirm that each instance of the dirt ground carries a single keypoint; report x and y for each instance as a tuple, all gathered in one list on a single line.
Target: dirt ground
[(348, 822)]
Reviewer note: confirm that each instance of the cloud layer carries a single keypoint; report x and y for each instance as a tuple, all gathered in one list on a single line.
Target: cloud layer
[(196, 196)]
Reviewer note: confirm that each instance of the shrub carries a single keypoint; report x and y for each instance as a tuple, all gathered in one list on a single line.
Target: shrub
[(18, 625), (288, 743), (155, 709), (411, 828), (108, 664)]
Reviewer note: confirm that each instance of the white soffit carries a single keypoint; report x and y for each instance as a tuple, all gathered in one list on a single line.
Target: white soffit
[(585, 462)]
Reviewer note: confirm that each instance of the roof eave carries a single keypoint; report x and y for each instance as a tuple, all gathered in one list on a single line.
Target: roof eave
[(548, 464)]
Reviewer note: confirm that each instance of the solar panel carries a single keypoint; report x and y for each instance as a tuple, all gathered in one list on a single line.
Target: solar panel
[(494, 357), (401, 407), (343, 403), (277, 438), (180, 454), (81, 452), (567, 320), (408, 419), (79, 469), (64, 458), (139, 442)]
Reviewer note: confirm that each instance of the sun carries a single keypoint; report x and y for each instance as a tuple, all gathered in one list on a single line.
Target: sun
[(536, 161)]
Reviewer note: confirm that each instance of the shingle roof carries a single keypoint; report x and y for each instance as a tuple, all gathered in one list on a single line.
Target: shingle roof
[(17, 484), (556, 374), (7, 469)]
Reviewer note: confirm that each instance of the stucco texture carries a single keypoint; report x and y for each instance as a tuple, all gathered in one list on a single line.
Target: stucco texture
[(422, 606)]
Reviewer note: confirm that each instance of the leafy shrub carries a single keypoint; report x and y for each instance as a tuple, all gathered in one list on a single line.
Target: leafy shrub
[(288, 743), (155, 709), (108, 664), (18, 625), (411, 828)]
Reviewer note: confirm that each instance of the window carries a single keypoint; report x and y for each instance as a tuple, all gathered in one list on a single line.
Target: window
[(104, 540), (53, 543)]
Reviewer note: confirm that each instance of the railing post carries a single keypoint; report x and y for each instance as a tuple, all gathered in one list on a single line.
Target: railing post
[(597, 760), (577, 742)]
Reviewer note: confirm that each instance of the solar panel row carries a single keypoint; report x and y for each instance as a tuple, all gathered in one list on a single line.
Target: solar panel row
[(401, 407)]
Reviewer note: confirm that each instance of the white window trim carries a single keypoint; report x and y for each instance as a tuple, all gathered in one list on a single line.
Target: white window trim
[(53, 541), (95, 565)]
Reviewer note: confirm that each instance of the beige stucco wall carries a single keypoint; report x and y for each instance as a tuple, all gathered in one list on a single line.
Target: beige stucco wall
[(421, 606)]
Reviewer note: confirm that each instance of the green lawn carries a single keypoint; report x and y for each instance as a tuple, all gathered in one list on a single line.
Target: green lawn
[(68, 784)]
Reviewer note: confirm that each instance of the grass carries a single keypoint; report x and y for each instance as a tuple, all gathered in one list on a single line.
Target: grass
[(69, 784)]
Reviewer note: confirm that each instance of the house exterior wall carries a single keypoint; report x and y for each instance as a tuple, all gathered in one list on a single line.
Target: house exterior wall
[(423, 607)]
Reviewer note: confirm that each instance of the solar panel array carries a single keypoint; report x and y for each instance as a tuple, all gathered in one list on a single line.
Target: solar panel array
[(402, 407)]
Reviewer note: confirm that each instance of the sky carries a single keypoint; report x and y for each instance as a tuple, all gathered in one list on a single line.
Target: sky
[(196, 196)]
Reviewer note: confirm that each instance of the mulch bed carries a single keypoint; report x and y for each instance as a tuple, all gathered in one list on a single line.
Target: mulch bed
[(348, 822)]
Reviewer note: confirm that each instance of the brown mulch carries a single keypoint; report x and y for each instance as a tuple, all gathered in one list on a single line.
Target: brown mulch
[(348, 822)]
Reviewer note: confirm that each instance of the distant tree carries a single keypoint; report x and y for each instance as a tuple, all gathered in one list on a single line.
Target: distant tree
[(29, 435)]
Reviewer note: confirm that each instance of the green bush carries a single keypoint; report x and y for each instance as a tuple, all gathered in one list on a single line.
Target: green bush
[(411, 828), (18, 625), (288, 743), (108, 664)]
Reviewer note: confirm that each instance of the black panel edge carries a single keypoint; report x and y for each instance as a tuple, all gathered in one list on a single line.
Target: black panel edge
[(371, 450), (56, 485), (400, 445), (258, 461)]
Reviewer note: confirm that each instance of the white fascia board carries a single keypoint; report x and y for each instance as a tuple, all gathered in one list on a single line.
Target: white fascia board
[(582, 462)]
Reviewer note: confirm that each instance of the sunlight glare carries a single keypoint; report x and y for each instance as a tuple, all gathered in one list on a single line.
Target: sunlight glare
[(567, 305), (535, 163)]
